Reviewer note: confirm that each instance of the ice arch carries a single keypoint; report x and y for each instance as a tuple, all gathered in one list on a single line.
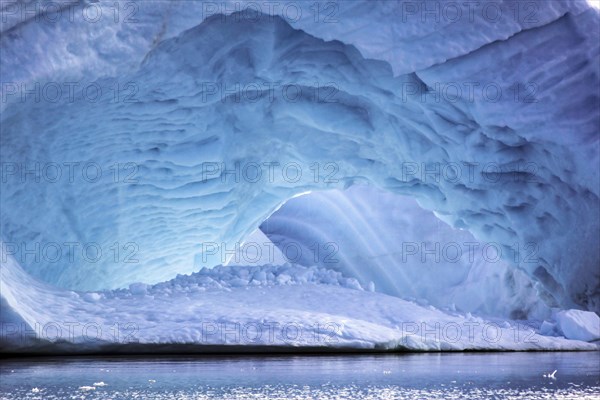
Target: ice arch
[(378, 127), (388, 242)]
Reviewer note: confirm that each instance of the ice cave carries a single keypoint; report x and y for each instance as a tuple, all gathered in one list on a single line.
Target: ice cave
[(351, 175)]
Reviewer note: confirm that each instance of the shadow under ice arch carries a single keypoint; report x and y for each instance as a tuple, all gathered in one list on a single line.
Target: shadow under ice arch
[(374, 126)]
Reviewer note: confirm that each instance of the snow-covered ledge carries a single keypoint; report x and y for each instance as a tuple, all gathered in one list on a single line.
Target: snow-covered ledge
[(258, 308)]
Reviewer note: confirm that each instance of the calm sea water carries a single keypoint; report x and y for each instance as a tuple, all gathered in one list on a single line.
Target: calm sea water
[(406, 376)]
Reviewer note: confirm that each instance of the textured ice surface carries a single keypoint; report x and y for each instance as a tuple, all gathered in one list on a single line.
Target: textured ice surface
[(286, 305), (378, 123), (72, 47)]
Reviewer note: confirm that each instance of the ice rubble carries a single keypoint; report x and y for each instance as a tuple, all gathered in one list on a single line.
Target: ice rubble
[(528, 160)]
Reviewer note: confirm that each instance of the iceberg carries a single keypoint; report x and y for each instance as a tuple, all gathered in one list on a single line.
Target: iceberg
[(142, 147)]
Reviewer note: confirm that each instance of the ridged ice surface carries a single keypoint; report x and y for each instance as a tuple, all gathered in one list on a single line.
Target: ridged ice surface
[(85, 45), (361, 108)]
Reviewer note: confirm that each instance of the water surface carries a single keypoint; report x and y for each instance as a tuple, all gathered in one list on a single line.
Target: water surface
[(402, 376)]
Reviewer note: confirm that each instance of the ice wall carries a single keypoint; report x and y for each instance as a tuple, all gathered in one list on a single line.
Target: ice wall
[(90, 39), (376, 105)]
